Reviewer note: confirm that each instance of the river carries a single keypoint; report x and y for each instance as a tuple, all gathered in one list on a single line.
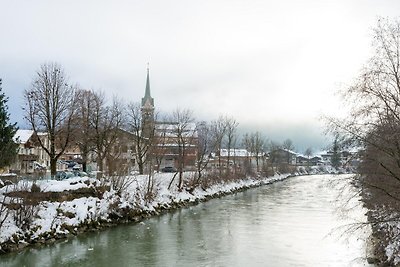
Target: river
[(297, 222)]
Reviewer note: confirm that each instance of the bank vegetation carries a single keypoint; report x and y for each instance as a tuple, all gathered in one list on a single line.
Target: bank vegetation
[(373, 128)]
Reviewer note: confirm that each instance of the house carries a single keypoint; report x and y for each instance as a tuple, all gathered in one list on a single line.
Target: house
[(283, 156), (306, 161), (316, 161), (302, 160), (347, 158), (172, 142), (239, 157), (31, 157)]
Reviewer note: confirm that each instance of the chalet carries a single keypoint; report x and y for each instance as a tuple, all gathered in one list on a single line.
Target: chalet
[(283, 156), (31, 156), (347, 158), (306, 161)]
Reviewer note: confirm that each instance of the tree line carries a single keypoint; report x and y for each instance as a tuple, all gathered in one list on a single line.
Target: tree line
[(64, 115)]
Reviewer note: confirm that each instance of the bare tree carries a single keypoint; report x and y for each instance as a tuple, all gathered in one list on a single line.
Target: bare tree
[(142, 142), (231, 127), (308, 154), (373, 124), (50, 109), (84, 132), (273, 157), (184, 136), (204, 148), (218, 132), (247, 142), (288, 144), (159, 149), (105, 120), (254, 144), (257, 146)]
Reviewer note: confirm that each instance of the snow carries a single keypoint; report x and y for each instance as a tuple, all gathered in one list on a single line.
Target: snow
[(72, 183), (23, 135)]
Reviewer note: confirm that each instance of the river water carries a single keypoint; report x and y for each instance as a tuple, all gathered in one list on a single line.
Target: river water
[(296, 222)]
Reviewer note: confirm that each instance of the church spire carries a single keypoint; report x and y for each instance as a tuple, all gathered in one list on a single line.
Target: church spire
[(147, 109), (147, 95)]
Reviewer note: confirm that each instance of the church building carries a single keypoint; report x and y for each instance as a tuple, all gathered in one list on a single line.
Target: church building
[(171, 148)]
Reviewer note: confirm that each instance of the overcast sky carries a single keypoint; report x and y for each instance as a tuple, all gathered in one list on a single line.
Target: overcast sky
[(274, 65)]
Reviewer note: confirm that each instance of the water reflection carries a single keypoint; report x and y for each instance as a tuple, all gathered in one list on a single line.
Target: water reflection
[(289, 223)]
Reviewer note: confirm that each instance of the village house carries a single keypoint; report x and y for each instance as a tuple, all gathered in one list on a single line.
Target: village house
[(236, 159), (302, 160), (173, 142), (31, 157), (347, 158), (283, 156)]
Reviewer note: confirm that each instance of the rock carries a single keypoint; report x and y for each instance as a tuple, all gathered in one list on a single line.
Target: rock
[(372, 260)]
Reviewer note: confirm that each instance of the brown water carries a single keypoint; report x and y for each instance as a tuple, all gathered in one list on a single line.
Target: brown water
[(291, 223)]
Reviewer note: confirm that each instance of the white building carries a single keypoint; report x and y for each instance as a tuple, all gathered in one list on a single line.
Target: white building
[(31, 156)]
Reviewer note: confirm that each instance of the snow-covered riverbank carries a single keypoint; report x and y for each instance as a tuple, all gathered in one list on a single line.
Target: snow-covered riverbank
[(386, 234), (53, 209)]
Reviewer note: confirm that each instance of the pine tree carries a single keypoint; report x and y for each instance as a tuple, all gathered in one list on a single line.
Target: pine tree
[(335, 159), (8, 148)]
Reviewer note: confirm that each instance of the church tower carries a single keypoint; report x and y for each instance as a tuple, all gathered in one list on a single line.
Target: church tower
[(147, 109)]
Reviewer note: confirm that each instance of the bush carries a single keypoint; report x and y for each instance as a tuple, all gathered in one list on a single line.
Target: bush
[(35, 188)]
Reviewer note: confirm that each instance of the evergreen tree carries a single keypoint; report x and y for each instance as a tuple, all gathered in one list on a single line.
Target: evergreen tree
[(8, 148), (335, 159)]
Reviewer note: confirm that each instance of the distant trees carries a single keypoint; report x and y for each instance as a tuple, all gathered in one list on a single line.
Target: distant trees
[(308, 152), (50, 106), (254, 144), (288, 145), (8, 146)]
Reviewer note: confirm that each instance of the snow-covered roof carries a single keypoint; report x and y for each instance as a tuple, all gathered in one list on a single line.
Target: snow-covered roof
[(237, 152), (23, 136), (170, 129), (234, 152), (286, 150)]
